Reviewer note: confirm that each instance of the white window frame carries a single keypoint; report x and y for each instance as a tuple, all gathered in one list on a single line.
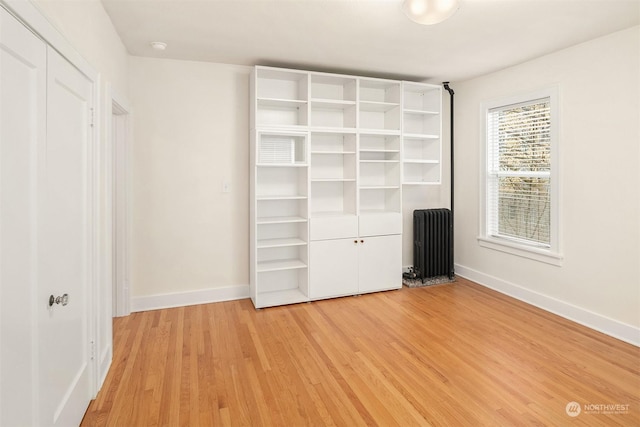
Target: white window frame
[(552, 254)]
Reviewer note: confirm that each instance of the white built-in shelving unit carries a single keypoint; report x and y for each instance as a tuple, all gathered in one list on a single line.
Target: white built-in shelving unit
[(422, 133), (326, 180)]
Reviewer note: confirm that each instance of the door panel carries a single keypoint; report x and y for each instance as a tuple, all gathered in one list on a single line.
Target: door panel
[(380, 260), (22, 131), (63, 254), (334, 268)]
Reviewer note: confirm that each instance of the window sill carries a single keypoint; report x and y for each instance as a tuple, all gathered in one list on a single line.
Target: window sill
[(536, 254)]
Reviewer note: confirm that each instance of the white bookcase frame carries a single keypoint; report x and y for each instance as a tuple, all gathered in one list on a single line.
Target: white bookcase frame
[(329, 156)]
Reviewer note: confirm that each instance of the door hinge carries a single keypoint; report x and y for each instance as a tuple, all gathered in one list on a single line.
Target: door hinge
[(91, 110), (92, 350)]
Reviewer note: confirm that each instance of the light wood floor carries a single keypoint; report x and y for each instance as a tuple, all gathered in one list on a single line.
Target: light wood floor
[(456, 354)]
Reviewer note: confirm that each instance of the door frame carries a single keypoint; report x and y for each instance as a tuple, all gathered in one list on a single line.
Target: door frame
[(118, 110), (98, 258)]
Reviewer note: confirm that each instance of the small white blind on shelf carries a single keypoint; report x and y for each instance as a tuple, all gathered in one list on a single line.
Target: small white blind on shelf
[(519, 172), (280, 150)]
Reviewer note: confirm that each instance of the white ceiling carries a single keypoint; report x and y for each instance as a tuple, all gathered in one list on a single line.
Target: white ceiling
[(365, 37)]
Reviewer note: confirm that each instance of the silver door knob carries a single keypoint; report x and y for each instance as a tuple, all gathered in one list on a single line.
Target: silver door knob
[(60, 299)]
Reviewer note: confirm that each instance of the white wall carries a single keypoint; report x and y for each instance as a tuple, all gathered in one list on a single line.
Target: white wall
[(191, 133), (599, 281)]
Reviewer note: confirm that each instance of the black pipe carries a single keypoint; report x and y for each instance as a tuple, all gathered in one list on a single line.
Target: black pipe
[(451, 93)]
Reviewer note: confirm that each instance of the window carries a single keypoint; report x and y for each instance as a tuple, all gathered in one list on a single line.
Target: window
[(520, 212)]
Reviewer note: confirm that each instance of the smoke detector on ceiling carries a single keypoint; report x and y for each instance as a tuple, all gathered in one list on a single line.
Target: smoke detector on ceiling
[(158, 45)]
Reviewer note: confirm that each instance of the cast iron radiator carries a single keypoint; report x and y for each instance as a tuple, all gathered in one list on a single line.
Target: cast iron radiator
[(432, 243)]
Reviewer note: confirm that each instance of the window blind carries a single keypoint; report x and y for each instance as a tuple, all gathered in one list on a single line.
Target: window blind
[(519, 172)]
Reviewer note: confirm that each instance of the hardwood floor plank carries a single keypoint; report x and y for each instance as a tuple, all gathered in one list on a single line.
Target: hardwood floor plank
[(455, 354)]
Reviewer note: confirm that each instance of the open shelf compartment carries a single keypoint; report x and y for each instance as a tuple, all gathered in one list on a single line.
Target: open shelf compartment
[(415, 173), (380, 91), (273, 83), (422, 97), (333, 197), (416, 150), (330, 88), (380, 200)]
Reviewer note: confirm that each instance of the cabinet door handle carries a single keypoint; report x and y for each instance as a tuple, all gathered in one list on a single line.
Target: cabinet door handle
[(355, 241), (361, 241)]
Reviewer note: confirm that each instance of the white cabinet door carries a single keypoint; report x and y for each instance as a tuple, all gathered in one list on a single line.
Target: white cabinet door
[(22, 130), (64, 247), (334, 268), (380, 263)]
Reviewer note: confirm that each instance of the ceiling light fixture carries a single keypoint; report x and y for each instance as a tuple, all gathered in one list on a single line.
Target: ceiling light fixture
[(429, 12), (158, 45)]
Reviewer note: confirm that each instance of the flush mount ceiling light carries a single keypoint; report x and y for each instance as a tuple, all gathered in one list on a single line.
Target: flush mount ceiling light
[(158, 45), (429, 12)]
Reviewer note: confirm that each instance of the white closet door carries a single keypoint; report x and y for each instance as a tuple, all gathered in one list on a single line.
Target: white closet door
[(64, 256), (22, 131)]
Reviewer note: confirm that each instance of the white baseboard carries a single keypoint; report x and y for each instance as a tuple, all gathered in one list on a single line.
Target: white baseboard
[(611, 327), (103, 365), (180, 299)]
